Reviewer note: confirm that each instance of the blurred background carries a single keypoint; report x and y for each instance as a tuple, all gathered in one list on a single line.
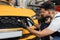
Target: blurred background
[(32, 4)]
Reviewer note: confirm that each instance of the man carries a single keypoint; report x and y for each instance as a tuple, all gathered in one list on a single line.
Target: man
[(7, 2), (4, 2), (11, 2), (47, 9)]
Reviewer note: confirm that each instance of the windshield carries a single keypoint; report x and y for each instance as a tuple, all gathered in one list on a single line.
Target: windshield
[(14, 22)]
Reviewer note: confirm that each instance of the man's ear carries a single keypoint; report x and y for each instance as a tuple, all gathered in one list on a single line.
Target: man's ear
[(51, 14)]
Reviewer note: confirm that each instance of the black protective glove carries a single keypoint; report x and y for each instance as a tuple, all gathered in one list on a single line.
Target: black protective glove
[(23, 23)]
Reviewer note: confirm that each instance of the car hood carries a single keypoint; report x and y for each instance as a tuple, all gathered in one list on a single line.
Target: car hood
[(6, 10)]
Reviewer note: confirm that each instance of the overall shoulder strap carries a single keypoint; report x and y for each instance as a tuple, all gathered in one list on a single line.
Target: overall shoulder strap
[(57, 16)]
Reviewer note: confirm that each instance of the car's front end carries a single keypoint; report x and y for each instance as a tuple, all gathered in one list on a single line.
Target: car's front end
[(11, 26)]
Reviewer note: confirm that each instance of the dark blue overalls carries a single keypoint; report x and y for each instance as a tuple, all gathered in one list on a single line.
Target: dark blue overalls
[(43, 26)]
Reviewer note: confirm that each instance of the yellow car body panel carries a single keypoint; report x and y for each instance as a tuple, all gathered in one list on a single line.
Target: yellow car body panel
[(6, 10), (29, 38), (12, 11)]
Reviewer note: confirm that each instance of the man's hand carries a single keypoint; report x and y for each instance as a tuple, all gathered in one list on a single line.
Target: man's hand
[(23, 23), (37, 26), (42, 33), (28, 28)]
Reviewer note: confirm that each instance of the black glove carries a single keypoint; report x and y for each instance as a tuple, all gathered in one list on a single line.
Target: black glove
[(23, 23)]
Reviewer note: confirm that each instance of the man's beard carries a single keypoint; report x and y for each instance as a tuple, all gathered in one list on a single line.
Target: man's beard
[(43, 19)]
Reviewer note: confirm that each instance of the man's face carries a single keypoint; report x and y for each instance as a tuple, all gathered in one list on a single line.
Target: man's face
[(44, 13)]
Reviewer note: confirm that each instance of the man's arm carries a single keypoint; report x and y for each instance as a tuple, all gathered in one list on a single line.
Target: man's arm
[(53, 27), (43, 33)]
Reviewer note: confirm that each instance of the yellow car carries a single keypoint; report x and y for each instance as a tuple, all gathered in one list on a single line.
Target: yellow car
[(11, 26)]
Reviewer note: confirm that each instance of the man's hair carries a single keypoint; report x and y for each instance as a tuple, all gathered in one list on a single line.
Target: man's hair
[(48, 5), (7, 0)]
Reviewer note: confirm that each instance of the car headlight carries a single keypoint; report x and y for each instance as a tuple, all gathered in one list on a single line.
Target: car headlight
[(34, 17)]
